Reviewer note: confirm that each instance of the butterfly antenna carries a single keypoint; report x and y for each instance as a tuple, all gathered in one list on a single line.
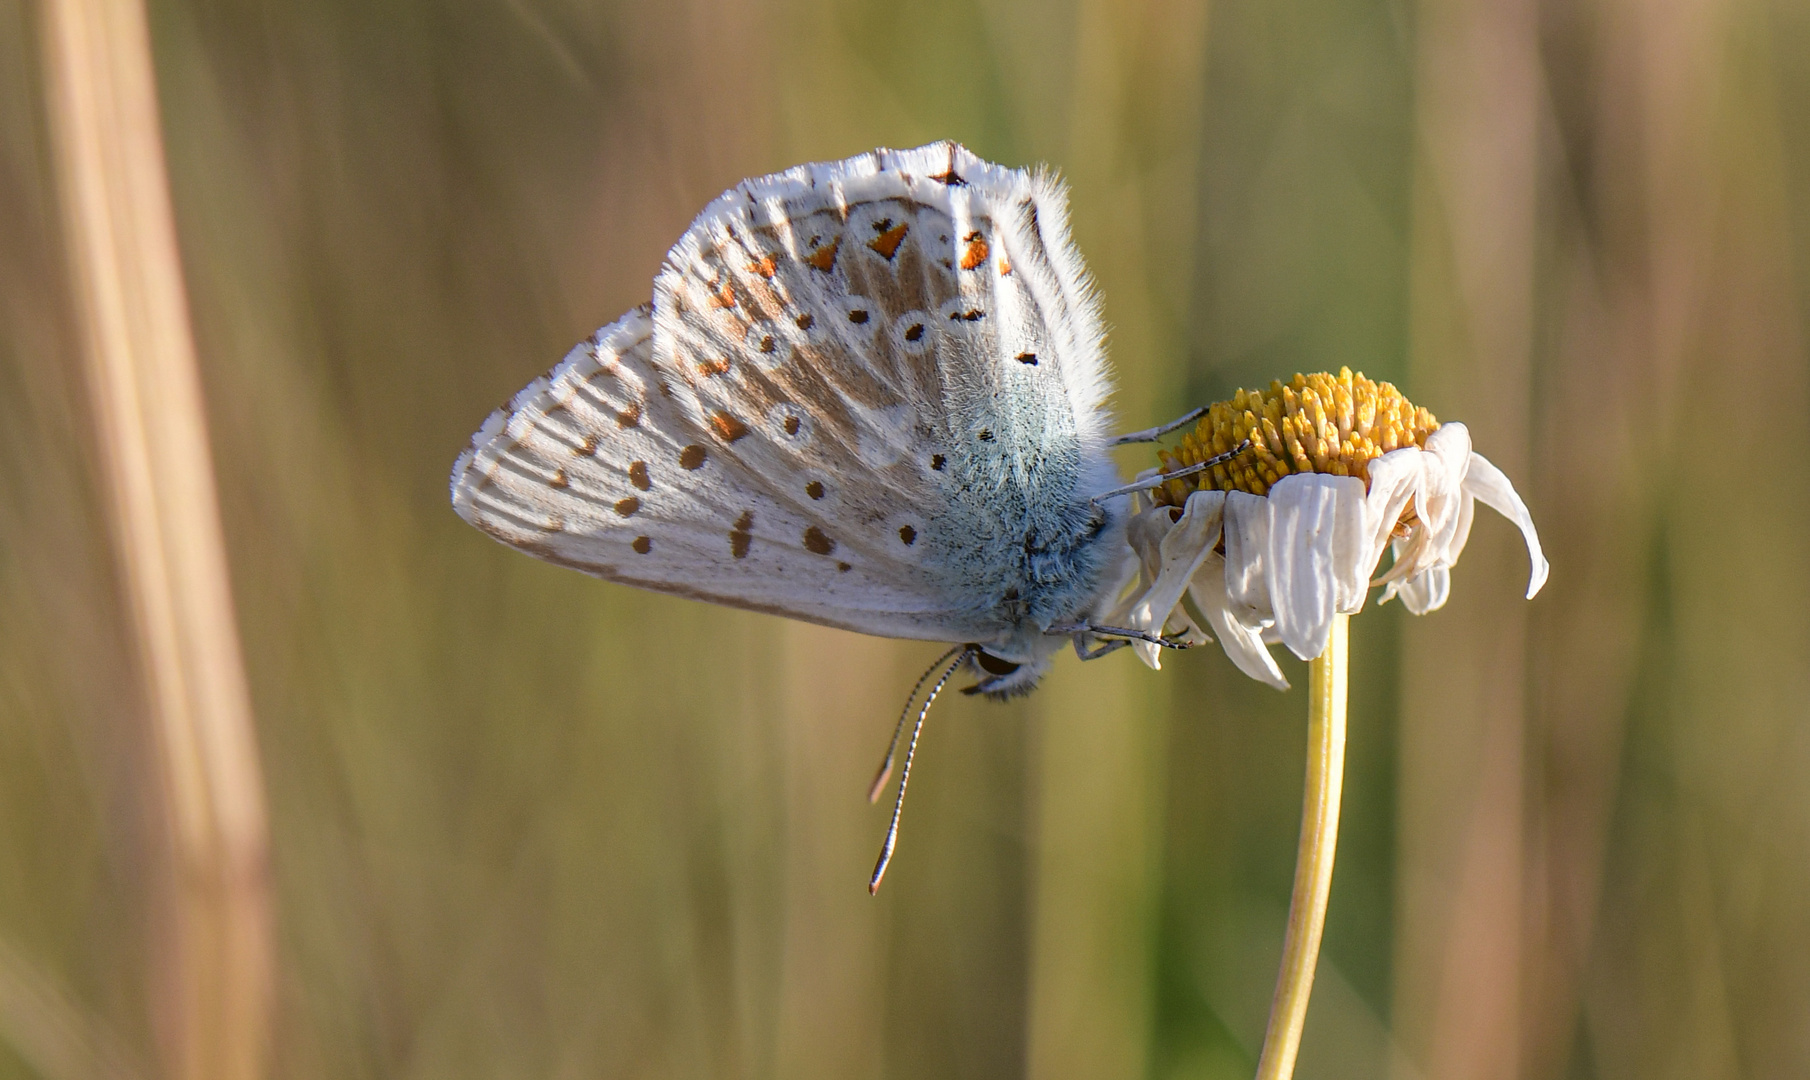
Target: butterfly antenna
[(911, 749), (880, 777)]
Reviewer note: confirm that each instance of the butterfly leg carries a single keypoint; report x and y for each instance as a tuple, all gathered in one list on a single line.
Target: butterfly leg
[(1098, 651), (1155, 433), (1080, 630)]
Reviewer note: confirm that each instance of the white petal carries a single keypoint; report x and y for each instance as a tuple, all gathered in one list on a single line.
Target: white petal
[(1447, 459), (1467, 510), (1393, 580), (1144, 533), (1182, 549), (1115, 605), (1425, 591), (1242, 643), (1487, 483), (1452, 441), (1395, 479), (1247, 537), (1351, 561), (1316, 521)]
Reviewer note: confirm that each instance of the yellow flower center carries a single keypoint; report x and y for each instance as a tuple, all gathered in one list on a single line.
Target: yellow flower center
[(1320, 423)]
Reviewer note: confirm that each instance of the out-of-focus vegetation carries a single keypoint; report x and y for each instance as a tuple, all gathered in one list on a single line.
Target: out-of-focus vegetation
[(527, 824)]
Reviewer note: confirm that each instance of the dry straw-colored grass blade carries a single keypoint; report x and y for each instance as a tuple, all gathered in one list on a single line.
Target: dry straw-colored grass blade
[(145, 393)]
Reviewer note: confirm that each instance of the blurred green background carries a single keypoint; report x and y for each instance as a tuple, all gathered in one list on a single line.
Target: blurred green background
[(525, 824)]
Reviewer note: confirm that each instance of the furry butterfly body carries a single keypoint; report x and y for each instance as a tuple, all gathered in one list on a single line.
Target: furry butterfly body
[(868, 394)]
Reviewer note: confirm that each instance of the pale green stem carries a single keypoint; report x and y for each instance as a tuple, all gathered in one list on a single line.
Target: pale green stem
[(1326, 679)]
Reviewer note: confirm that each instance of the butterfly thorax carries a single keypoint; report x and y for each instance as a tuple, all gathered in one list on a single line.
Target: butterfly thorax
[(1022, 539)]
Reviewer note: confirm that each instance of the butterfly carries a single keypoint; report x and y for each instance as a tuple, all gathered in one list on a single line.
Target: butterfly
[(870, 394)]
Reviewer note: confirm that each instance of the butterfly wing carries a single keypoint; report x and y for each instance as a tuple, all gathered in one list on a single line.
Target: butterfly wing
[(867, 394)]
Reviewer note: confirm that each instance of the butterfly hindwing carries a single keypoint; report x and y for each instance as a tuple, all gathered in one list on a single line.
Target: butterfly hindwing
[(865, 394)]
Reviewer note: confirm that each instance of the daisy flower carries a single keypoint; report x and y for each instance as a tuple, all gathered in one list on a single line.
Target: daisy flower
[(1278, 542), (1273, 543)]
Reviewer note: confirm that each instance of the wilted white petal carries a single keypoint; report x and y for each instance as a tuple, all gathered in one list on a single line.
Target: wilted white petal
[(1451, 441), (1351, 565), (1308, 513), (1116, 607), (1392, 581), (1181, 550), (1247, 541), (1395, 478), (1467, 510), (1143, 537), (1445, 462), (1425, 591), (1487, 483), (1243, 644), (1145, 533)]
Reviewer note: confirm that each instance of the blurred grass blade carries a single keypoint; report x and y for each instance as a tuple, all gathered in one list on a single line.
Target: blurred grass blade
[(52, 1032), (146, 397)]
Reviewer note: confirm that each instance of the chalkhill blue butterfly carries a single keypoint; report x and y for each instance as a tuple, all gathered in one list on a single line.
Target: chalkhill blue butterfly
[(869, 394)]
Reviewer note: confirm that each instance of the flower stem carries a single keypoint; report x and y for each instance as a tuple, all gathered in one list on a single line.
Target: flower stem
[(1326, 680)]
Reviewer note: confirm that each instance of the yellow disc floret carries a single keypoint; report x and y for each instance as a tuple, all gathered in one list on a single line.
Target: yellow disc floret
[(1321, 423)]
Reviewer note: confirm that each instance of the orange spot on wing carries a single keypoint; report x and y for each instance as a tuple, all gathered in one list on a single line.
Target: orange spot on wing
[(713, 367), (887, 243), (824, 258), (726, 426), (587, 447), (629, 417), (724, 297), (1005, 266), (766, 267), (559, 480), (977, 251)]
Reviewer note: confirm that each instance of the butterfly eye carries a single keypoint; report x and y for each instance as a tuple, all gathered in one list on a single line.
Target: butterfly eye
[(993, 665)]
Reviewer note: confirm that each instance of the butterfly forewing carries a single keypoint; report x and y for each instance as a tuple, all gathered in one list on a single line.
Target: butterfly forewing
[(832, 409)]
